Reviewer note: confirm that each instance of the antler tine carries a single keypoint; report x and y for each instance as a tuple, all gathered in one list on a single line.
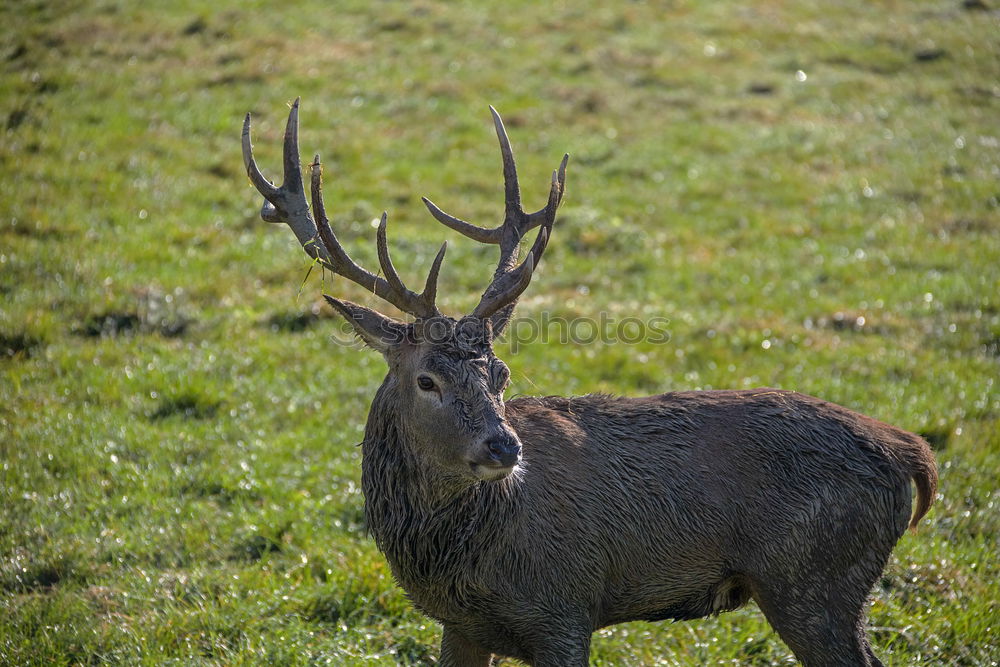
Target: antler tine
[(385, 261), (417, 303), (516, 222), (430, 286), (555, 196), (509, 279), (515, 282), (264, 186), (287, 203), (271, 193), (290, 152), (512, 191), (546, 216), (339, 261), (474, 232)]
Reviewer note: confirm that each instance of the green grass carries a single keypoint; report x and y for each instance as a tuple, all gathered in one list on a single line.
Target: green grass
[(179, 481)]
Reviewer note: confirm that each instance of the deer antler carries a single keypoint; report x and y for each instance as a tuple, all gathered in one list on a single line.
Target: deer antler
[(509, 279), (287, 204)]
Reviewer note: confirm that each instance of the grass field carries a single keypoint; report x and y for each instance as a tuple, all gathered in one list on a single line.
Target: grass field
[(808, 192)]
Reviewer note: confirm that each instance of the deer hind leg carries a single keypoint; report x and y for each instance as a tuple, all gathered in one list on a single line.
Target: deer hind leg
[(821, 616), (875, 662), (822, 629)]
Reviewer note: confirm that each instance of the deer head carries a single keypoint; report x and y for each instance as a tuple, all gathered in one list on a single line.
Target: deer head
[(445, 384)]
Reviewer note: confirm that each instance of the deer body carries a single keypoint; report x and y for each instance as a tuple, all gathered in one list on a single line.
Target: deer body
[(524, 525), (675, 506)]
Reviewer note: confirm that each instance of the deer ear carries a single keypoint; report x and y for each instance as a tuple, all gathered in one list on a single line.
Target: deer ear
[(375, 329)]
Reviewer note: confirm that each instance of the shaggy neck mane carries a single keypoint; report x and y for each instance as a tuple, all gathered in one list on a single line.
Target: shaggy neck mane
[(429, 527)]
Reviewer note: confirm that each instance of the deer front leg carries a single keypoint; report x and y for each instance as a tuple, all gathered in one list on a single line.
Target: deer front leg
[(457, 651), (564, 648), (575, 659)]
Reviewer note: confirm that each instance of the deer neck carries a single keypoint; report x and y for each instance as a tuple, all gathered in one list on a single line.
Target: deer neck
[(427, 527)]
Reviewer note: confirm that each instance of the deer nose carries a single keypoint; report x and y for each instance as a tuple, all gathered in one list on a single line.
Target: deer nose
[(504, 449)]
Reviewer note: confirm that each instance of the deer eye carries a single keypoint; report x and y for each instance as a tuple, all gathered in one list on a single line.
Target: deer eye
[(425, 383), (501, 375)]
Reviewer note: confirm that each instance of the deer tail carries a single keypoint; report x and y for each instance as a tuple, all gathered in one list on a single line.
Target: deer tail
[(919, 460)]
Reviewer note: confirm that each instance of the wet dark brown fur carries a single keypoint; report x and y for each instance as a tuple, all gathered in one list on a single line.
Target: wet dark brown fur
[(523, 526), (674, 506)]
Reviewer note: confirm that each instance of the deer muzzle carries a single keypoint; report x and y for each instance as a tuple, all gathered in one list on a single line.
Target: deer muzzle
[(505, 450), (497, 456)]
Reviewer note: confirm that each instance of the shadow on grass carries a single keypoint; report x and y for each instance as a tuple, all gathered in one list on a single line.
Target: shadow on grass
[(18, 345), (124, 323), (185, 406)]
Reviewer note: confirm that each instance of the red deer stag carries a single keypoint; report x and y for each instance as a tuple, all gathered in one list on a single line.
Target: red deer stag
[(523, 526)]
